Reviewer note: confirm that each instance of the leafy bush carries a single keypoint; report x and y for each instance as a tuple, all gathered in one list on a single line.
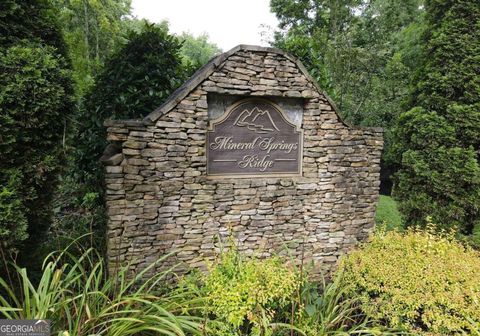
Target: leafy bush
[(80, 298), (247, 296), (246, 292), (387, 214), (134, 81), (428, 283)]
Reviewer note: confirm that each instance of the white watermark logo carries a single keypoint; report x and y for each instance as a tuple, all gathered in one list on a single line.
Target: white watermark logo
[(25, 328)]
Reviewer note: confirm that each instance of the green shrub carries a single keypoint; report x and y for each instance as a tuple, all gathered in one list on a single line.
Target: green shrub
[(247, 296), (35, 102), (247, 292), (387, 215), (436, 142), (134, 81), (428, 283), (80, 298), (13, 222)]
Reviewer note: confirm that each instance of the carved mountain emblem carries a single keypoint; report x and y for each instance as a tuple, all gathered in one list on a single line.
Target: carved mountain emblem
[(256, 120)]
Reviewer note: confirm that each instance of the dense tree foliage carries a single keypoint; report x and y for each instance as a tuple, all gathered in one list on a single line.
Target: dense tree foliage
[(196, 51), (31, 20), (35, 100), (438, 139), (134, 81), (362, 53), (354, 50), (92, 29)]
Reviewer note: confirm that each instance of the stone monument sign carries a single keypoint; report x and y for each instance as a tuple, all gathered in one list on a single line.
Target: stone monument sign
[(251, 147)]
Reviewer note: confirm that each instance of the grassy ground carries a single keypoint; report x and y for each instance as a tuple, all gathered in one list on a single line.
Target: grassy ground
[(388, 215)]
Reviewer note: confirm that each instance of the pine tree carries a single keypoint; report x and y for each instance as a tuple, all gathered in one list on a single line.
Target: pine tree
[(438, 140)]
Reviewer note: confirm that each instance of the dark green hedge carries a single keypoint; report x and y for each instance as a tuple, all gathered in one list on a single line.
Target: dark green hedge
[(36, 98), (438, 140)]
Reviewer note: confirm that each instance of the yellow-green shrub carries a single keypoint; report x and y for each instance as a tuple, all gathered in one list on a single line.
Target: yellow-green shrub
[(426, 282), (246, 292)]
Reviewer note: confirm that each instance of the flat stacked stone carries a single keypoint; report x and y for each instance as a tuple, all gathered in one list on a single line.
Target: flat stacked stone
[(160, 199)]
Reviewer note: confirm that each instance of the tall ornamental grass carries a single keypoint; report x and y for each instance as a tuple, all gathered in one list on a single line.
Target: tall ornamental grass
[(79, 297)]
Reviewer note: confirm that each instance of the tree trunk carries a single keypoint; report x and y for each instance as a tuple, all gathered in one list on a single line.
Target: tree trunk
[(86, 32)]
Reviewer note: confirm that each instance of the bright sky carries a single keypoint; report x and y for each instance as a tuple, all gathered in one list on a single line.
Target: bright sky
[(227, 22)]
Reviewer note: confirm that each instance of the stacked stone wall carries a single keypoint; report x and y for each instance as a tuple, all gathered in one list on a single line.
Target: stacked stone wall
[(159, 198)]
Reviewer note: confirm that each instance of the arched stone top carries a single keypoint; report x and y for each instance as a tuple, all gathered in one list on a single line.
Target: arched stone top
[(215, 63)]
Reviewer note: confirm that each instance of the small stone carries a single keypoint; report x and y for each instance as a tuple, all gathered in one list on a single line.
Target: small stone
[(270, 82), (131, 152), (138, 162), (152, 152), (293, 94), (114, 160), (139, 134), (114, 169), (134, 144), (308, 186), (166, 124), (176, 148)]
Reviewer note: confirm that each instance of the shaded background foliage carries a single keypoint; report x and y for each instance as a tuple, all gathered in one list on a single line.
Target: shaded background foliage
[(92, 29), (197, 51)]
